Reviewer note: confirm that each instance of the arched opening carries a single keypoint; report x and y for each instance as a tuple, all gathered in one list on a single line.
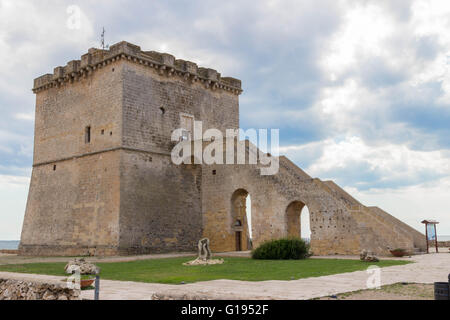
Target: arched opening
[(241, 219), (305, 224), (298, 220)]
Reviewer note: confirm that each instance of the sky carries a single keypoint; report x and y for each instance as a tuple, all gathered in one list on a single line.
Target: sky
[(360, 90)]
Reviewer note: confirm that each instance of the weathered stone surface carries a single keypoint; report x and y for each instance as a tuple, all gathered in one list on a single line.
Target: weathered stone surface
[(204, 255), (119, 193), (13, 289), (204, 252), (367, 256), (82, 266), (201, 262)]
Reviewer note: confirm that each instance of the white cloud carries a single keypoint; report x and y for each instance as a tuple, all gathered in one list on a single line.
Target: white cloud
[(363, 31), (13, 195), (391, 159), (412, 204), (186, 50), (29, 31), (431, 19), (24, 116), (10, 142), (356, 164), (8, 182)]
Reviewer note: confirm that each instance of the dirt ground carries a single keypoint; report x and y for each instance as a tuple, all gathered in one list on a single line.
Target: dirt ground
[(397, 291)]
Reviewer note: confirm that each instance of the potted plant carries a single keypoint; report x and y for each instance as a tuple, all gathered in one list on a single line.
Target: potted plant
[(85, 281), (399, 252)]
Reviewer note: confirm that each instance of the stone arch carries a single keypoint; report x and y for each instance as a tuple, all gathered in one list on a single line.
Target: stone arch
[(293, 217), (239, 221)]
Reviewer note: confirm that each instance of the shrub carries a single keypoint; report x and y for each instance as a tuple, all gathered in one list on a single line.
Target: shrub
[(282, 249)]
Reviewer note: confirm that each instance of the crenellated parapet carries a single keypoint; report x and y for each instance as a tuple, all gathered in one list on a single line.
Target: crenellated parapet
[(165, 64)]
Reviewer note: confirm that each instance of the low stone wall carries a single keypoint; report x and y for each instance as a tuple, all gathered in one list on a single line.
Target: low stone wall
[(175, 293), (445, 244), (9, 251), (14, 289)]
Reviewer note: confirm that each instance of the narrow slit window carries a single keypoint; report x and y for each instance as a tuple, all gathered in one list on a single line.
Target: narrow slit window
[(87, 137)]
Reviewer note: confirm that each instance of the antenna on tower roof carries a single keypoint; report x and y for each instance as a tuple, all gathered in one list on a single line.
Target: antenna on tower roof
[(103, 40)]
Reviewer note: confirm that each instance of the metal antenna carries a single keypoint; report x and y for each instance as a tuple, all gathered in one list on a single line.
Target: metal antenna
[(103, 40)]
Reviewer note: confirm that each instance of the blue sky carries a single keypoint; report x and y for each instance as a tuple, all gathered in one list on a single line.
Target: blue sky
[(360, 90)]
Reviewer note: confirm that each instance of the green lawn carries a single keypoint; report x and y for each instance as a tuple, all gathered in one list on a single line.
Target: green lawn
[(172, 271)]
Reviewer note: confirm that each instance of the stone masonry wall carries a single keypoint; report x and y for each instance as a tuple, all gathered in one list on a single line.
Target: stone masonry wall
[(444, 244), (154, 104), (74, 210), (14, 289), (161, 204), (335, 227), (119, 193), (73, 201)]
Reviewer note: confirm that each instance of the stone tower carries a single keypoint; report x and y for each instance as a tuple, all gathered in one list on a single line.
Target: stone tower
[(103, 182)]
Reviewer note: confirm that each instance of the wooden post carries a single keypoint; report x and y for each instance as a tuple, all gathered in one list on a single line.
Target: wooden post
[(434, 223), (435, 239)]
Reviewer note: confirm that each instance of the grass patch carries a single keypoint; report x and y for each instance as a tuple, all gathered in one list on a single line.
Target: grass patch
[(171, 270), (396, 291)]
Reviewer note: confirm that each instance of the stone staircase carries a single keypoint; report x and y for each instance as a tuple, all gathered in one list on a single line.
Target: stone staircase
[(394, 233)]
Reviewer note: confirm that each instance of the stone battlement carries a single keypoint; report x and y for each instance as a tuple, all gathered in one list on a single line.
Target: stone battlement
[(164, 63)]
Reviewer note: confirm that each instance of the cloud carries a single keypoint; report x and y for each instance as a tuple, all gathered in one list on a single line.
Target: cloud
[(13, 195), (7, 181), (353, 163), (25, 116), (360, 90), (412, 204), (412, 185)]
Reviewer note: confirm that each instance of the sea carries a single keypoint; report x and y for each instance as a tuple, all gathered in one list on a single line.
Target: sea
[(9, 244)]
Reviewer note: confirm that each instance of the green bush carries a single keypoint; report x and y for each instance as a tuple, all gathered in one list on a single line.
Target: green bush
[(282, 249)]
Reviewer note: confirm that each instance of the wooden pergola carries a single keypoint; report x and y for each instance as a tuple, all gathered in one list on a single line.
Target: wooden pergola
[(430, 233)]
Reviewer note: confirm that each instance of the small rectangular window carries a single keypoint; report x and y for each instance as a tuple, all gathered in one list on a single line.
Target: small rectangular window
[(185, 135), (87, 137)]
